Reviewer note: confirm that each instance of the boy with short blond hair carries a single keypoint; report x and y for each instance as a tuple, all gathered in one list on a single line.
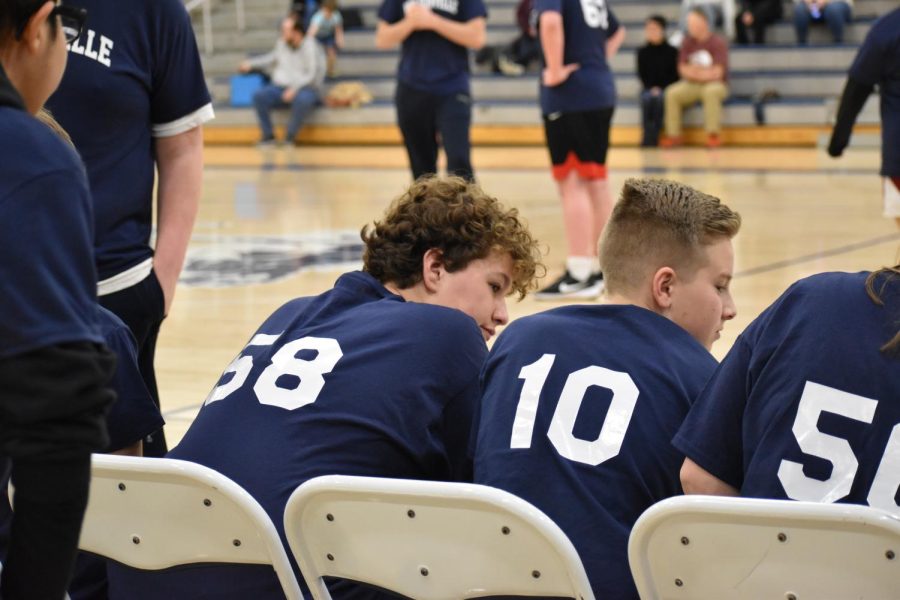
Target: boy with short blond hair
[(585, 437)]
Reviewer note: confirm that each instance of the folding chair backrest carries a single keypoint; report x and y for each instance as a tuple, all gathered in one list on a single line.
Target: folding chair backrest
[(155, 513), (701, 547), (429, 540)]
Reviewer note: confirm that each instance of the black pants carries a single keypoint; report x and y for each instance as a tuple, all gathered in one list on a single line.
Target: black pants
[(765, 13), (142, 308), (423, 117), (651, 117)]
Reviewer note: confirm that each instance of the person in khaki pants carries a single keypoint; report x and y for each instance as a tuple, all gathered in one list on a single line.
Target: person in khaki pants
[(703, 67)]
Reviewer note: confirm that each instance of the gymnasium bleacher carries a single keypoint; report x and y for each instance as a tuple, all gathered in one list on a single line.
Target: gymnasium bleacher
[(808, 79)]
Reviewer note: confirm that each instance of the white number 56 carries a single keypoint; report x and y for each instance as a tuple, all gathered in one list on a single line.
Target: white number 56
[(816, 399)]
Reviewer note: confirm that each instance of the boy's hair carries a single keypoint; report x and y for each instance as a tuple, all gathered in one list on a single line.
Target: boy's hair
[(659, 223), (885, 277), (458, 219), (700, 12), (659, 20), (297, 17), (330, 4)]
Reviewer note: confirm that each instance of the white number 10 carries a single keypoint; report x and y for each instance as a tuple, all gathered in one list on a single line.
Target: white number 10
[(612, 433), (284, 362)]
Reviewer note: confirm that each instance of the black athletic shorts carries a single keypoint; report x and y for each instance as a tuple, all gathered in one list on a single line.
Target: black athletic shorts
[(580, 141)]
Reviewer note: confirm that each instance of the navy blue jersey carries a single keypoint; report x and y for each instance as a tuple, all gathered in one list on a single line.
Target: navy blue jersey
[(133, 75), (578, 408), (133, 415), (355, 381), (805, 406), (878, 63), (587, 24), (428, 61), (46, 230)]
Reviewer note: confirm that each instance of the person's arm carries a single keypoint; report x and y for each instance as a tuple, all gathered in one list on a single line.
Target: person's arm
[(470, 34), (389, 35), (614, 42), (179, 162), (697, 480), (339, 37), (852, 101), (553, 42), (257, 62)]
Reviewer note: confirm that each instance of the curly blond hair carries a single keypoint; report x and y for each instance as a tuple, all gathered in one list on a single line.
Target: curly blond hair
[(458, 219)]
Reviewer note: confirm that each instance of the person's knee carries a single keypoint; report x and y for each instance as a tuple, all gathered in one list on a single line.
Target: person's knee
[(801, 13)]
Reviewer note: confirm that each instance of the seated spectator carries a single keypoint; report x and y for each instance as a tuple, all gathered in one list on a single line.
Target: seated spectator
[(835, 13), (718, 12), (378, 376), (753, 18), (526, 48), (703, 67), (586, 436), (327, 26), (657, 64), (806, 405), (296, 83)]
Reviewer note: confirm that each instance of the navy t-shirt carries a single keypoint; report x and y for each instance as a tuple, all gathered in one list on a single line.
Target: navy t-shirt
[(430, 62), (46, 233), (803, 396), (133, 415), (878, 63), (578, 408), (355, 381), (587, 24), (136, 68)]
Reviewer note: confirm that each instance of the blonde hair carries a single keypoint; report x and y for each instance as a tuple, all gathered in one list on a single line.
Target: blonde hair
[(659, 223), (46, 117), (888, 275)]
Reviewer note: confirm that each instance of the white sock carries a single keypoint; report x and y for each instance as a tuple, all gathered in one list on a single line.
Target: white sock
[(580, 267)]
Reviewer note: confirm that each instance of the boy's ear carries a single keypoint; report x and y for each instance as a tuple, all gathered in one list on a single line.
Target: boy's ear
[(432, 269), (663, 283), (34, 33)]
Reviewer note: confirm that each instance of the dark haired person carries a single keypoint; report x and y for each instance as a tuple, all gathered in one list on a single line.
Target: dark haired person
[(377, 376), (657, 64), (580, 402), (433, 99), (806, 405), (134, 100), (299, 72), (54, 367)]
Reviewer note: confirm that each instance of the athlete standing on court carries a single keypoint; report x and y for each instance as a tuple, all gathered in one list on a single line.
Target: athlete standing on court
[(54, 367), (577, 100), (134, 98), (876, 63), (432, 97)]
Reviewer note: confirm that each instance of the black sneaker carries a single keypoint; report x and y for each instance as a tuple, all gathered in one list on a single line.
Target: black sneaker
[(569, 287)]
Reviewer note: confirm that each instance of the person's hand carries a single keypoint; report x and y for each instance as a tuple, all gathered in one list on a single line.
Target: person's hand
[(656, 90), (747, 18), (167, 282), (244, 66), (419, 15), (288, 95), (555, 77)]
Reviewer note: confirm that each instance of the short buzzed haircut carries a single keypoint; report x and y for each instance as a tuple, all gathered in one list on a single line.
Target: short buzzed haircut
[(658, 223)]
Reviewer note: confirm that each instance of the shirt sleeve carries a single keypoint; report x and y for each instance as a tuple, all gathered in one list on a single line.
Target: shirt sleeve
[(868, 66), (391, 11), (472, 9), (612, 22), (712, 433), (179, 87), (317, 19), (542, 6)]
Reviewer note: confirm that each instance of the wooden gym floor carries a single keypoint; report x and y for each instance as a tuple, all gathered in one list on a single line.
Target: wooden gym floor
[(282, 223)]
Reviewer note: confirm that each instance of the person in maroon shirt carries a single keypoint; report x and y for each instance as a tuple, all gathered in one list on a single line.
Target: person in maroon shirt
[(703, 68)]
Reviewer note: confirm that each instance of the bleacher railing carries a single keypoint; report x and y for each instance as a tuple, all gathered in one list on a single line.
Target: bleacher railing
[(206, 7)]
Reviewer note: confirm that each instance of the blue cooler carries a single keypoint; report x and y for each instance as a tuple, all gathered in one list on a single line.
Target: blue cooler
[(243, 87)]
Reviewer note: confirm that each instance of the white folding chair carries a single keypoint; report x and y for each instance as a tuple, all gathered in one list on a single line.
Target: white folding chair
[(701, 547), (155, 513), (429, 540)]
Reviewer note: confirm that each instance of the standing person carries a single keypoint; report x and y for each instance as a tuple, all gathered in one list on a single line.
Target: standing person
[(578, 96), (434, 103), (753, 18), (806, 405), (134, 99), (657, 63), (54, 367), (327, 26), (296, 81), (378, 376), (585, 437), (703, 67), (876, 63), (834, 13)]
